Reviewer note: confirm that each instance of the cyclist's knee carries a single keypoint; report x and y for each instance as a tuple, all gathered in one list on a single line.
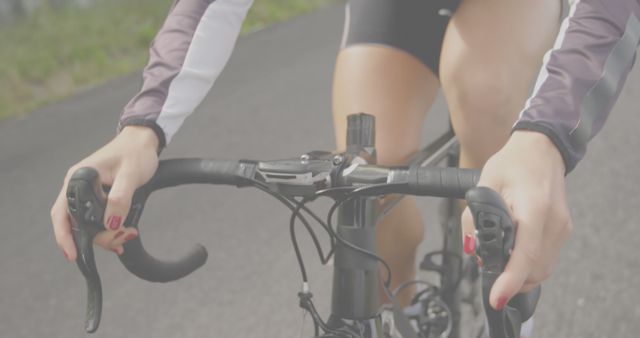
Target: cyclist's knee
[(483, 98), (484, 104)]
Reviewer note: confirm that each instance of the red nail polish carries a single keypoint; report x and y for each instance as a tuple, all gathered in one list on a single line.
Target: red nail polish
[(65, 255), (130, 237), (114, 222), (469, 244), (120, 233), (502, 301)]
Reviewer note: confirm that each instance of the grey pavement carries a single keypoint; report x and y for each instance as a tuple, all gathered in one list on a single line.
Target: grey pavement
[(272, 101)]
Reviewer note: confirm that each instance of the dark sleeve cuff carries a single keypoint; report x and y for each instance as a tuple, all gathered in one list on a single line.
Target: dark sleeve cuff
[(570, 161), (162, 141)]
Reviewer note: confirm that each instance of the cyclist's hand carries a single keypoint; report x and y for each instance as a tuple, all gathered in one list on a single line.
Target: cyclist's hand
[(125, 163), (528, 172)]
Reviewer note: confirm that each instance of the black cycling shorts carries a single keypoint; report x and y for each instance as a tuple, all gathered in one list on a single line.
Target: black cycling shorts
[(414, 26)]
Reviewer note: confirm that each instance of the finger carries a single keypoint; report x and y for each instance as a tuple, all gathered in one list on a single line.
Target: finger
[(112, 239), (62, 228), (119, 200), (528, 287), (104, 239), (118, 250), (468, 233), (123, 236), (526, 256), (468, 227)]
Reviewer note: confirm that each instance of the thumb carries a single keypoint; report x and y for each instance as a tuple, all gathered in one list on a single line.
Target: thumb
[(526, 254), (507, 285)]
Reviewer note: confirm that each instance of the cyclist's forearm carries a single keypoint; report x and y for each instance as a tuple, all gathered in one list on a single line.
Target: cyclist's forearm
[(583, 74), (185, 58)]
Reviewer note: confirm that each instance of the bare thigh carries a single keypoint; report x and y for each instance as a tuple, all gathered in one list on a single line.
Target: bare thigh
[(491, 54)]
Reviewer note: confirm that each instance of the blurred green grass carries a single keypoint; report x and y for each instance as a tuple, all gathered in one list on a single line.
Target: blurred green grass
[(55, 53)]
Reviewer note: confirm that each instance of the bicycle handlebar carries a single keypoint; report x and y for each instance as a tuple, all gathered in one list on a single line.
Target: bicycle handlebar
[(87, 203), (441, 182), (172, 173)]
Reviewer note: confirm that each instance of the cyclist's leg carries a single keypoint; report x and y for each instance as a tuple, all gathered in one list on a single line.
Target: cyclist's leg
[(491, 54), (381, 72)]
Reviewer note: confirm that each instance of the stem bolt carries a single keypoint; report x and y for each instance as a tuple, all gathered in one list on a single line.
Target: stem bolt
[(338, 159)]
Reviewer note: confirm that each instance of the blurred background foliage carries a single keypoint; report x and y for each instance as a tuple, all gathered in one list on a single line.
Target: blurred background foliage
[(50, 49)]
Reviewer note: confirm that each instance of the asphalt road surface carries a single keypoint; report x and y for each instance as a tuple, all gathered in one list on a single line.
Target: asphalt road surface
[(272, 101)]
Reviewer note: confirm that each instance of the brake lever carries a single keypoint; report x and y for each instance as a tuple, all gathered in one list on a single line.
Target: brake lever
[(495, 237), (86, 202)]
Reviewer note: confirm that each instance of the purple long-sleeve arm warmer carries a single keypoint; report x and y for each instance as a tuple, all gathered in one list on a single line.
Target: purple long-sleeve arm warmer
[(185, 58), (583, 74)]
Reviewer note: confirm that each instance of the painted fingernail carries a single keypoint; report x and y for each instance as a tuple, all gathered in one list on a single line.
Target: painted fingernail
[(120, 233), (469, 244), (114, 222), (65, 255), (502, 301), (130, 237)]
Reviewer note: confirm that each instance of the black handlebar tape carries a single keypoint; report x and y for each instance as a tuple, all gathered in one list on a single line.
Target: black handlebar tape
[(196, 170), (86, 202), (172, 173), (140, 263), (442, 182), (495, 239)]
